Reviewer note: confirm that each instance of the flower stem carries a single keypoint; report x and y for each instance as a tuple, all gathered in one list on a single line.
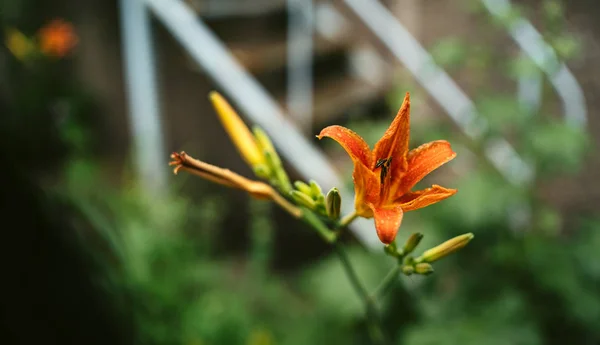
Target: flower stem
[(386, 283), (372, 316), (349, 218), (313, 220)]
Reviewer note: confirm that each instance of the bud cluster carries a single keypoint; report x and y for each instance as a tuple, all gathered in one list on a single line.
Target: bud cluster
[(272, 168), (311, 196), (422, 264)]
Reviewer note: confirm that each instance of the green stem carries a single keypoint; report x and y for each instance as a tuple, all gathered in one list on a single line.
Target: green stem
[(372, 316), (373, 321), (349, 218), (313, 220), (386, 283)]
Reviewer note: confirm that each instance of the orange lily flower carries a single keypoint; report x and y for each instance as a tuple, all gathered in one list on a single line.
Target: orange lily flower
[(57, 38), (384, 177)]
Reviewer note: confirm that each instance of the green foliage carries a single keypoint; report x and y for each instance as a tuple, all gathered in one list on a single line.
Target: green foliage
[(502, 112), (556, 146), (164, 274), (536, 283), (449, 52), (526, 279)]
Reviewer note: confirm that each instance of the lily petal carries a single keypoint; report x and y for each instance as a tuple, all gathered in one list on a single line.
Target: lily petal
[(366, 190), (394, 142), (353, 143), (415, 200), (423, 160), (387, 222)]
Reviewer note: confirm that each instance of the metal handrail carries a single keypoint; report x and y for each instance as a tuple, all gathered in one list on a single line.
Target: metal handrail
[(299, 62), (543, 55), (144, 115), (254, 101)]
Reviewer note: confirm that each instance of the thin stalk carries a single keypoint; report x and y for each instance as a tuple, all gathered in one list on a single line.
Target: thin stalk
[(349, 218), (372, 316), (386, 283), (313, 220)]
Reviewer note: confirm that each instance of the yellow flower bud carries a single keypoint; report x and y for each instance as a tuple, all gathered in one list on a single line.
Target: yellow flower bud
[(423, 269), (239, 133), (446, 248), (18, 44)]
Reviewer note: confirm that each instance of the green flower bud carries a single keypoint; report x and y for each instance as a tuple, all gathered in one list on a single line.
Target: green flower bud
[(279, 176), (423, 268), (412, 243), (262, 171), (408, 270), (316, 191), (265, 144), (333, 203), (277, 173), (303, 187), (392, 250), (446, 248), (303, 199)]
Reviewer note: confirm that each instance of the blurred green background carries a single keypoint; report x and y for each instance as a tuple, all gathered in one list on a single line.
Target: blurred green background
[(94, 257)]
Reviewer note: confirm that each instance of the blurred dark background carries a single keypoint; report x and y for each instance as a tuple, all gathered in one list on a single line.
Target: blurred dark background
[(102, 246)]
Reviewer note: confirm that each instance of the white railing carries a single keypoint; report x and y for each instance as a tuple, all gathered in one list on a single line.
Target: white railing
[(260, 107)]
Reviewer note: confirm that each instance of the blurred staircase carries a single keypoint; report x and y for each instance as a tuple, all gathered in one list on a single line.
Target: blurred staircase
[(348, 75)]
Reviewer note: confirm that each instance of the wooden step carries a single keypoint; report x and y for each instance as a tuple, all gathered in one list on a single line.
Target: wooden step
[(267, 56), (235, 8), (334, 98)]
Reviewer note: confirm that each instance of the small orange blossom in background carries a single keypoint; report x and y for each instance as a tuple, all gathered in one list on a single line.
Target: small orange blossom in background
[(57, 38), (384, 177)]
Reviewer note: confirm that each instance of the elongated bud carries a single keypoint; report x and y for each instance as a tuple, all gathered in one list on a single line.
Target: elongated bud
[(423, 268), (239, 133), (303, 187), (412, 242), (446, 248), (333, 203), (265, 144), (303, 199), (278, 176)]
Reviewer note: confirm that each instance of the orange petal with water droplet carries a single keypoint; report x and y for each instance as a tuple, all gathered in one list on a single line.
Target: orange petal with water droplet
[(415, 200), (353, 143), (387, 222), (423, 160)]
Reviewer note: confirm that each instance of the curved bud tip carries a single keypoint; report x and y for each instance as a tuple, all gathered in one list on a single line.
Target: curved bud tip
[(446, 248), (412, 242), (237, 130)]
